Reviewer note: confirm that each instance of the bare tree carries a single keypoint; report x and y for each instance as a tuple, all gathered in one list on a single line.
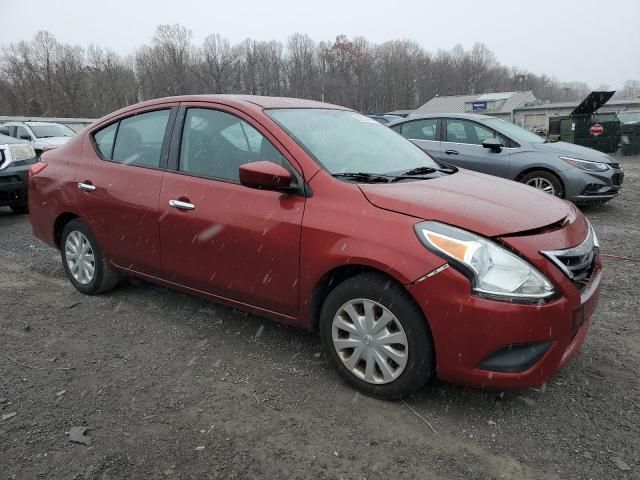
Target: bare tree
[(215, 68), (45, 77)]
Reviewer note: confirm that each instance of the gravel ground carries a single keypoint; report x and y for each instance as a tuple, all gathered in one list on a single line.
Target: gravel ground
[(173, 386)]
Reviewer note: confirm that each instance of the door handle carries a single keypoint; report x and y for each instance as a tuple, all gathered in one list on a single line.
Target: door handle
[(87, 187), (180, 205), (451, 152)]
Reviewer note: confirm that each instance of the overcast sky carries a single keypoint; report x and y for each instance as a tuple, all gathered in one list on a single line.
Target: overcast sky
[(594, 41)]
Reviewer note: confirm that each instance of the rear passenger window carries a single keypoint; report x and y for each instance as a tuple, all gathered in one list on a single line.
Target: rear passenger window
[(420, 129), (4, 131), (104, 140), (139, 139)]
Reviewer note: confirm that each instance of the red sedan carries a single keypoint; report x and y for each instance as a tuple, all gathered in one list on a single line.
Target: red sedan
[(320, 217)]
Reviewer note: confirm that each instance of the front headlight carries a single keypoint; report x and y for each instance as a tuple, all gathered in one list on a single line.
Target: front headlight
[(586, 164), (494, 271), (21, 151)]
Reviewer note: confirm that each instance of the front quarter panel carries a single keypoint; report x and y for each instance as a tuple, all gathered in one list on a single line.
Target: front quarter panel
[(522, 160), (342, 228)]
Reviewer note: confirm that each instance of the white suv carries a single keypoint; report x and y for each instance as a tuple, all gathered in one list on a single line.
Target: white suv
[(41, 135)]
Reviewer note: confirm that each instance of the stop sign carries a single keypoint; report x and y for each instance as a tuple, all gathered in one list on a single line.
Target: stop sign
[(596, 129)]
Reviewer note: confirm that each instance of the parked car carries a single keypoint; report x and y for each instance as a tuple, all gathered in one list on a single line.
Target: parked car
[(384, 118), (16, 156), (320, 217), (496, 147), (41, 135)]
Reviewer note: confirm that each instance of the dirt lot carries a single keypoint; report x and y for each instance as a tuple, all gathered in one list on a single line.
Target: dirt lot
[(172, 386)]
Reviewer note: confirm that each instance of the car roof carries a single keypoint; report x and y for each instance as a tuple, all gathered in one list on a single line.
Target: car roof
[(251, 102), (261, 101), (466, 116), (30, 123), (38, 124)]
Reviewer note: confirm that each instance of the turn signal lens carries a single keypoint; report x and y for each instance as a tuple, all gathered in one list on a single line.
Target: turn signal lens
[(37, 168)]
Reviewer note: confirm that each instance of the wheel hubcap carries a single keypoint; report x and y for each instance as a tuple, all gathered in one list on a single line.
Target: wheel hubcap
[(79, 256), (542, 184), (370, 341)]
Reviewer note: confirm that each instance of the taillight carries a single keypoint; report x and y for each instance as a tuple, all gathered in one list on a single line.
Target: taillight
[(36, 168)]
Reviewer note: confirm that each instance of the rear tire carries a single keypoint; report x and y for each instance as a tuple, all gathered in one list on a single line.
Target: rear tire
[(400, 366), (83, 261), (544, 181), (20, 209)]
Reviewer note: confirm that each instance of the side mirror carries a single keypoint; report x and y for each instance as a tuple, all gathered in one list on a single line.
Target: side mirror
[(265, 175), (493, 144), (25, 136)]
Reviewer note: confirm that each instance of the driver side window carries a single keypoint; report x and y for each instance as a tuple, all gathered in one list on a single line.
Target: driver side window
[(22, 133), (215, 144)]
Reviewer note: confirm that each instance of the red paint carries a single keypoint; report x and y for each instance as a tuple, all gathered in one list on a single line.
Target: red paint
[(266, 251), (596, 129), (264, 174)]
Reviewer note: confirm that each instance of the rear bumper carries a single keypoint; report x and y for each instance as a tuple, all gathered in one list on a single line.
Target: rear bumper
[(468, 331), (14, 186)]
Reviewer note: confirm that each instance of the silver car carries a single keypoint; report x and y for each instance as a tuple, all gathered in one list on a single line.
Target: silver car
[(493, 146)]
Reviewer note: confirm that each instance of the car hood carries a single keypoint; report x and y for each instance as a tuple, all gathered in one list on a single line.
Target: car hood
[(53, 141), (476, 202), (575, 151)]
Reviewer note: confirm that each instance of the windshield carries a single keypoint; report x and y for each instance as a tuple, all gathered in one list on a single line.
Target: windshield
[(345, 141), (45, 131), (513, 131)]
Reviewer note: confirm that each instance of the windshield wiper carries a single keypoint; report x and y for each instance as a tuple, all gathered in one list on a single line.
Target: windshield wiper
[(419, 172), (365, 177), (426, 170)]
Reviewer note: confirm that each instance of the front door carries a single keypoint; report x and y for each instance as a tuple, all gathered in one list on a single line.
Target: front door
[(462, 146), (119, 181), (218, 236)]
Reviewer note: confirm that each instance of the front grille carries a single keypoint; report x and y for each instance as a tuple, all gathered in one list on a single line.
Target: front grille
[(617, 178), (577, 263)]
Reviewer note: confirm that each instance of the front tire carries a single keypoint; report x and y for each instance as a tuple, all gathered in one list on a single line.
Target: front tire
[(83, 261), (544, 181), (377, 337)]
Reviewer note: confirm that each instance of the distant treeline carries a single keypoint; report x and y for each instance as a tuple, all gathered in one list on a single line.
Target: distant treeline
[(44, 77)]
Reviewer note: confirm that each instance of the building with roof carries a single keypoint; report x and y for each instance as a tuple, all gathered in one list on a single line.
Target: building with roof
[(501, 104), (537, 115)]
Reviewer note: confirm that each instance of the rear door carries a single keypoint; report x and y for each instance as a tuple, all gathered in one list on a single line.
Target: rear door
[(462, 146), (119, 182), (224, 238), (424, 133)]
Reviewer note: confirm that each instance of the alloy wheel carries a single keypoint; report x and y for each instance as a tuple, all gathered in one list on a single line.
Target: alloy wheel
[(79, 256), (370, 341), (542, 184)]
